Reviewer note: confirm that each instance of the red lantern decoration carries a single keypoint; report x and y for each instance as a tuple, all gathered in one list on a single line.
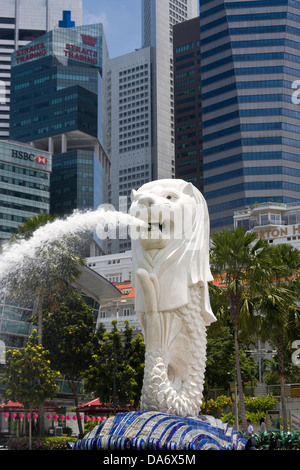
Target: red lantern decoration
[(55, 417), (86, 418), (74, 417), (6, 415), (62, 417), (14, 415), (103, 419), (35, 415), (49, 416), (27, 415), (68, 417), (21, 415), (98, 418), (93, 418)]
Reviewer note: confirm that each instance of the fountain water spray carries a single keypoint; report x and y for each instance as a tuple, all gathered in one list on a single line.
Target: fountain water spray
[(15, 256)]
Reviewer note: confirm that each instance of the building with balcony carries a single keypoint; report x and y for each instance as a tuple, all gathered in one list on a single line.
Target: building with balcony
[(276, 222), (116, 268)]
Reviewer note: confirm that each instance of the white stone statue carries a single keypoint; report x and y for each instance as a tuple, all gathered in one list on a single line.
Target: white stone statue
[(170, 275)]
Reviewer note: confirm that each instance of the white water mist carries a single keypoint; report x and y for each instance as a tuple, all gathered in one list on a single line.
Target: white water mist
[(22, 251)]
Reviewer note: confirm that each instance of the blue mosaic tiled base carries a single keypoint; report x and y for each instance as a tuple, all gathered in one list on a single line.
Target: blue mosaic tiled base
[(149, 430)]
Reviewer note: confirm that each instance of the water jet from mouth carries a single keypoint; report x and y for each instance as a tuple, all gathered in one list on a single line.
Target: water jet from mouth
[(24, 252)]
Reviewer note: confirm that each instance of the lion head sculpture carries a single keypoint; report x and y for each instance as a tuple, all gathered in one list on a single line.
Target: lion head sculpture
[(174, 245)]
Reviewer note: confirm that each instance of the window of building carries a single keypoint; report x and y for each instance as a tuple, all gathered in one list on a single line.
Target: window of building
[(269, 218)]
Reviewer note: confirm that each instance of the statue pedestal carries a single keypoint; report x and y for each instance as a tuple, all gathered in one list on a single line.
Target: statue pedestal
[(150, 430)]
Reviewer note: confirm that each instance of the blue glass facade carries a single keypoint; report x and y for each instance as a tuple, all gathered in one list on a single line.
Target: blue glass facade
[(57, 93), (187, 102), (250, 54), (54, 84), (72, 183)]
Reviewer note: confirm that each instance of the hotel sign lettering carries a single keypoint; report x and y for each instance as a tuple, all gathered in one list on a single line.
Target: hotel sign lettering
[(278, 232)]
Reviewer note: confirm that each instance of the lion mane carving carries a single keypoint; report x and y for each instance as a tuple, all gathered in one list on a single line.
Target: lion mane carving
[(170, 275)]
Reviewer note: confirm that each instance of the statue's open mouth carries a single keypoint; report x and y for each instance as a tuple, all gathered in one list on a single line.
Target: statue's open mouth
[(156, 226)]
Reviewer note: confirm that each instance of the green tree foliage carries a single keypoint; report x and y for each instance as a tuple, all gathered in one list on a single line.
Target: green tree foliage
[(257, 404), (69, 335), (116, 372), (44, 269), (28, 375), (220, 369), (279, 313), (220, 364), (241, 262), (259, 290), (271, 371), (53, 268)]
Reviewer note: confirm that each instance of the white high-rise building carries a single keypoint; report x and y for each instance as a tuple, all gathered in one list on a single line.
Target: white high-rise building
[(22, 21), (142, 105), (131, 118)]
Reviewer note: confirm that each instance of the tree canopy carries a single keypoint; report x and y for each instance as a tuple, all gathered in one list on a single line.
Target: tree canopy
[(28, 375), (116, 372)]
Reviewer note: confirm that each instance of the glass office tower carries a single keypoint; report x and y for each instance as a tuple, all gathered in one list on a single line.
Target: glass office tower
[(187, 102), (58, 93), (24, 185), (55, 84), (158, 19), (250, 53), (21, 22)]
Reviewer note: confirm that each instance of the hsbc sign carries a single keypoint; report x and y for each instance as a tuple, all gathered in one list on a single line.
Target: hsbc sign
[(40, 159)]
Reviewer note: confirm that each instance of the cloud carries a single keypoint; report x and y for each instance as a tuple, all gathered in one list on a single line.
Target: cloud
[(94, 18)]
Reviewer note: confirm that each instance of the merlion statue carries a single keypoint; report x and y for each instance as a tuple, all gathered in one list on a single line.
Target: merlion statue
[(170, 275), (170, 250)]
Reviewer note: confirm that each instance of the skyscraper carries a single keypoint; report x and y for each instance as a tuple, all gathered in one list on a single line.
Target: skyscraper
[(24, 185), (131, 120), (20, 23), (142, 105), (187, 102), (57, 99), (158, 19), (250, 53)]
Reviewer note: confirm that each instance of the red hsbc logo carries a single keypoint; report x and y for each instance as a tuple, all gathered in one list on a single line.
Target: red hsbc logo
[(41, 160)]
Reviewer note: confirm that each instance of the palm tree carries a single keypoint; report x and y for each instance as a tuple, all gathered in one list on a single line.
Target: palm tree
[(241, 261), (279, 312), (26, 228)]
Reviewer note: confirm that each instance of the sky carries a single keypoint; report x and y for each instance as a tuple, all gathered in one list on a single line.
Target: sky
[(121, 21)]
